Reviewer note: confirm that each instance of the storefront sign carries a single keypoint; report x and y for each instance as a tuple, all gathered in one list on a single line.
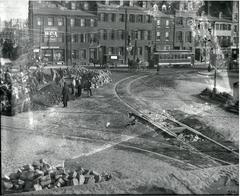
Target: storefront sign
[(51, 33), (114, 57), (50, 47)]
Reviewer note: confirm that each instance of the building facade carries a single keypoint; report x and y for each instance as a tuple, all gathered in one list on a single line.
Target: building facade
[(63, 33), (125, 31)]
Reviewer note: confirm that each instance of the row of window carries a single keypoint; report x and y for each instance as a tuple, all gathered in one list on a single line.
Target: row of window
[(159, 23), (158, 36), (223, 27), (188, 36), (59, 21), (113, 17), (120, 34), (75, 38)]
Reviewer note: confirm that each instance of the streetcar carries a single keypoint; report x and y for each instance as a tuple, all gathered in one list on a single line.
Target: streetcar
[(174, 58)]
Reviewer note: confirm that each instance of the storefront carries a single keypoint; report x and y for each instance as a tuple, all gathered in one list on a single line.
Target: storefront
[(53, 56)]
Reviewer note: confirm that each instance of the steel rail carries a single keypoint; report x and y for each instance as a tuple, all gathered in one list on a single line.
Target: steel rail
[(157, 124)]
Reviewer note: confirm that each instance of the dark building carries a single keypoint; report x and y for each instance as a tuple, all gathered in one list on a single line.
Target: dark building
[(63, 33), (125, 31)]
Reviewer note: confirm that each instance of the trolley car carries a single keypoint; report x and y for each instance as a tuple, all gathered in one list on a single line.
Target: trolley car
[(174, 58)]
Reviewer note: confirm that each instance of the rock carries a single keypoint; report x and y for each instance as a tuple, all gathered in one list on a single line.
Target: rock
[(19, 171), (97, 178), (37, 164), (16, 186), (74, 181), (85, 172), (58, 176), (28, 167), (39, 172), (80, 170), (45, 183), (93, 173), (28, 185), (6, 178), (20, 182), (37, 187), (7, 185), (81, 179), (89, 179)]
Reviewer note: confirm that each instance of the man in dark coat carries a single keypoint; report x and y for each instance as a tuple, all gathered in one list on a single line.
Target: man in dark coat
[(65, 93), (79, 87), (89, 84)]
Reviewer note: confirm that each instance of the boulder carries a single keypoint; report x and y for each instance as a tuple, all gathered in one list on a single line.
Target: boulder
[(92, 172), (37, 187), (45, 183), (37, 164), (81, 179), (97, 178), (74, 181), (89, 179), (14, 176), (7, 185), (28, 185), (39, 172), (28, 167)]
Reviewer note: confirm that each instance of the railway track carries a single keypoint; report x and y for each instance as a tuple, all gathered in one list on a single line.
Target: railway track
[(219, 152)]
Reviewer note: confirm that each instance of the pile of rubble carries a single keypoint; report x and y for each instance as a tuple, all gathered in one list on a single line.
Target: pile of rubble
[(41, 175)]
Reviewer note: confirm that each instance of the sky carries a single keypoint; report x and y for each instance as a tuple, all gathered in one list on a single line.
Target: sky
[(13, 9)]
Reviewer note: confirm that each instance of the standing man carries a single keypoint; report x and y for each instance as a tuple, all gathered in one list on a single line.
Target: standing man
[(79, 86), (65, 94), (89, 84)]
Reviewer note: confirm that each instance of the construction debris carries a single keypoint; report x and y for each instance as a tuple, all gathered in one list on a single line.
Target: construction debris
[(40, 175)]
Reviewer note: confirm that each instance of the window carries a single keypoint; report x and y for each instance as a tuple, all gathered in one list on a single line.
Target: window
[(132, 18), (149, 35), (110, 50), (105, 35), (158, 22), (145, 35), (92, 38), (179, 36), (179, 21), (148, 19), (122, 33), (39, 21), (105, 19), (101, 17), (158, 37), (236, 16), (139, 35), (73, 5), (112, 34), (82, 22), (188, 36), (167, 36), (86, 6), (82, 38), (235, 28), (140, 18), (75, 54), (58, 55), (87, 22), (221, 26), (50, 21), (72, 22), (121, 18), (120, 51), (113, 17), (229, 27), (140, 51), (167, 23), (60, 21), (74, 38), (92, 22), (82, 54), (217, 26)]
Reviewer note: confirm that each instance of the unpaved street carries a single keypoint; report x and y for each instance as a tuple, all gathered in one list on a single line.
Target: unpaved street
[(140, 159)]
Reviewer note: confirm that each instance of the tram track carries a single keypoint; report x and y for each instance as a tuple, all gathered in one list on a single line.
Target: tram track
[(124, 99)]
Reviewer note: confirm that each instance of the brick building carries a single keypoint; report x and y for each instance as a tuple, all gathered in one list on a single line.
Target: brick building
[(63, 32), (124, 24)]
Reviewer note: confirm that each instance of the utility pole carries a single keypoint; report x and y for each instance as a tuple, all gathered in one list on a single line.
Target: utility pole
[(66, 44), (126, 36)]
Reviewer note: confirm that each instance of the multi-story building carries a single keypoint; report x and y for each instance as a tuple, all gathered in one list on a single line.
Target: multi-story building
[(122, 25), (64, 32), (164, 31), (183, 39)]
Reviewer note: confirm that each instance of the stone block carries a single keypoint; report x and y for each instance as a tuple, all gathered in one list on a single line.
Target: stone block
[(37, 187), (58, 176), (14, 176), (92, 172), (28, 185), (74, 181), (7, 185), (45, 183), (37, 165), (39, 172), (89, 179), (97, 178), (28, 167), (81, 179)]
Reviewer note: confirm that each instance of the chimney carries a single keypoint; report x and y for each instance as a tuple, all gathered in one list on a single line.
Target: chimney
[(220, 15), (106, 2)]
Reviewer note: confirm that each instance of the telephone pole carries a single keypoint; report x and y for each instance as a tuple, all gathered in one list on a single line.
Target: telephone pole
[(126, 36)]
